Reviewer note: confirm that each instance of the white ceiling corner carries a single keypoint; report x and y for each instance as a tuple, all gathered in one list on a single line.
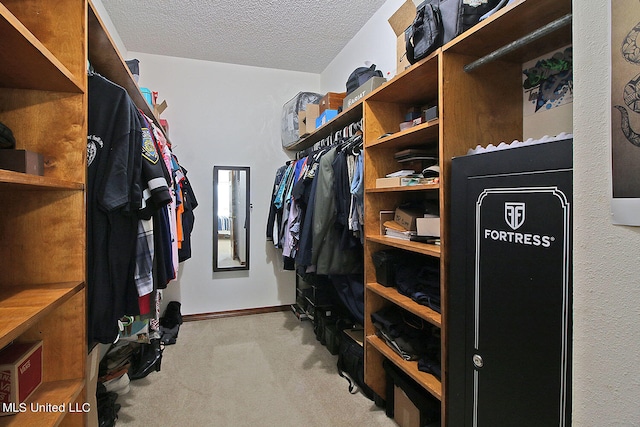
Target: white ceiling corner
[(296, 35)]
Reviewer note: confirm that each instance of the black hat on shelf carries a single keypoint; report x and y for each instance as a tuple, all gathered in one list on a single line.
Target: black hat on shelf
[(6, 137)]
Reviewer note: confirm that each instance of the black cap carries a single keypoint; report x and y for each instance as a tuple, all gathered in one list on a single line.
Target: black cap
[(6, 137)]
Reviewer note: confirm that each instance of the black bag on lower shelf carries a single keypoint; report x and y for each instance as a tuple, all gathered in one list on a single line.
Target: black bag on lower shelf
[(351, 365)]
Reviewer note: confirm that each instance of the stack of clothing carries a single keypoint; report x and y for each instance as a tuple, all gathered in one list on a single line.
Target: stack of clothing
[(420, 281), (411, 337)]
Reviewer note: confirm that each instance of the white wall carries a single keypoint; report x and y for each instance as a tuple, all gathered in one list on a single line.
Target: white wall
[(375, 43), (228, 115), (606, 377)]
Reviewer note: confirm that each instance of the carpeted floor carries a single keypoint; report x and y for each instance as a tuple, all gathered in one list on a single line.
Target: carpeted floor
[(259, 370)]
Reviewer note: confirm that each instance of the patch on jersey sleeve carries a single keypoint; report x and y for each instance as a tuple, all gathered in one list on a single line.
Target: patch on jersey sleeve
[(149, 151)]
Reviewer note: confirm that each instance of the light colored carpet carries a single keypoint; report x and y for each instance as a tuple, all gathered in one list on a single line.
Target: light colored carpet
[(259, 370)]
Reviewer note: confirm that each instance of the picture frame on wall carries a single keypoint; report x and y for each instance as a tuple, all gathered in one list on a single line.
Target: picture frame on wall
[(625, 112)]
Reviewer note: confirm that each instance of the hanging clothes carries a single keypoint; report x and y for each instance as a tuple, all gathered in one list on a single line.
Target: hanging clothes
[(132, 211), (321, 204), (114, 195), (189, 203), (327, 255), (274, 221)]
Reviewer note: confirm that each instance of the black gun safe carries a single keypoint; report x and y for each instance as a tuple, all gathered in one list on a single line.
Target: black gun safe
[(510, 291)]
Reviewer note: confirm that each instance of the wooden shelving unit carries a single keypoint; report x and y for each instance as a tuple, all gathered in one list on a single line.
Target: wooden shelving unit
[(353, 114), (482, 106), (43, 101)]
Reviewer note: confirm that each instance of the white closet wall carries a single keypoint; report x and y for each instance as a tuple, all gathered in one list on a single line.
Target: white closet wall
[(227, 115), (606, 303)]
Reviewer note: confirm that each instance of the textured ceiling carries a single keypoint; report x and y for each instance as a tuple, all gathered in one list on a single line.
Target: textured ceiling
[(298, 35)]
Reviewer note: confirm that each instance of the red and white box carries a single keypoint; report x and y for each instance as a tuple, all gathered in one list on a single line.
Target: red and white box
[(20, 374)]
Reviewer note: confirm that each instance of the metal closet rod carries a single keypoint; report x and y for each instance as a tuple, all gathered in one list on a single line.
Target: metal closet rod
[(542, 31)]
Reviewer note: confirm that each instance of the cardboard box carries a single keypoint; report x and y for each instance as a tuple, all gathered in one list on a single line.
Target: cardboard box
[(326, 117), (384, 217), (23, 161), (307, 119), (428, 226), (405, 413), (159, 108), (388, 182), (397, 182), (20, 374), (400, 22), (312, 113), (362, 91), (407, 218), (302, 127), (332, 101)]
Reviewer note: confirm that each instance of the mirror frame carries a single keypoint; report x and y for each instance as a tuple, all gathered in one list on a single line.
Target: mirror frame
[(216, 169)]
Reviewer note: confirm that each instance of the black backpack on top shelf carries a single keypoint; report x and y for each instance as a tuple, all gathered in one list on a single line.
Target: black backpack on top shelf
[(360, 75), (425, 34)]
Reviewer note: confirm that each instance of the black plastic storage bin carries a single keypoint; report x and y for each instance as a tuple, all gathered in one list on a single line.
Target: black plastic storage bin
[(385, 263)]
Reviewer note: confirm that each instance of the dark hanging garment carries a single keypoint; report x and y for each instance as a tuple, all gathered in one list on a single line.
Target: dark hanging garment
[(305, 246), (275, 213), (342, 189), (113, 197), (327, 255), (188, 218), (163, 261)]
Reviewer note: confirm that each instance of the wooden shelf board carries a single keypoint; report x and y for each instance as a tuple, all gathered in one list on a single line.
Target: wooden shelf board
[(417, 135), (422, 248), (23, 306), (56, 393), (427, 381), (407, 303), (27, 63), (343, 119), (417, 84), (512, 23), (17, 180), (421, 187)]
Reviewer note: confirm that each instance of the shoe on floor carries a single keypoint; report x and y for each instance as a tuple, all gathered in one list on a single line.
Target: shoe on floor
[(118, 385)]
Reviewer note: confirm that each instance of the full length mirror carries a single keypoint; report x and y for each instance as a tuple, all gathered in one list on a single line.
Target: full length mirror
[(231, 209)]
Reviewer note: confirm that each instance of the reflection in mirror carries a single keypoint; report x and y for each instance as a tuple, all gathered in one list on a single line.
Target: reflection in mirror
[(231, 209)]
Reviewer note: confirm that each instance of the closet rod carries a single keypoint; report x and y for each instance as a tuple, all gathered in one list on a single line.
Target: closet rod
[(542, 31)]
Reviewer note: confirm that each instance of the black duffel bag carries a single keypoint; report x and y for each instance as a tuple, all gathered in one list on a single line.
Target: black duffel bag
[(425, 34), (438, 22)]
